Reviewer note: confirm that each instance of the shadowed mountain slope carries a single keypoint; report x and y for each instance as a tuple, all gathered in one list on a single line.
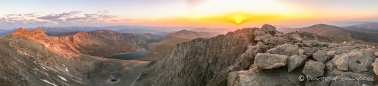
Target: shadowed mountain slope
[(161, 48)]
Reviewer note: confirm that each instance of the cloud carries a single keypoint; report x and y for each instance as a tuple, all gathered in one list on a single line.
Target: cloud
[(105, 11), (31, 15), (58, 17), (194, 3), (100, 16), (91, 18), (70, 17), (67, 18), (19, 20), (121, 20), (22, 15), (13, 15)]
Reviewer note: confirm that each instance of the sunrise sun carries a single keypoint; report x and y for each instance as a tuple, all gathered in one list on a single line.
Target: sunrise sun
[(238, 19), (240, 11)]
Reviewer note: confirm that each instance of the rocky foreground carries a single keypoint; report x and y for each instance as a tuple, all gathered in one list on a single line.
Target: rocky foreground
[(264, 57)]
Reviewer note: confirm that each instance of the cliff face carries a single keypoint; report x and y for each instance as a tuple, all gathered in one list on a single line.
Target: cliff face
[(261, 57), (77, 43)]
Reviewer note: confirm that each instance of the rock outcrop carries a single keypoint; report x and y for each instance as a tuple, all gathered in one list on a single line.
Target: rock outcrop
[(263, 78), (295, 61), (285, 49), (262, 57), (269, 61), (375, 66), (313, 68), (356, 61)]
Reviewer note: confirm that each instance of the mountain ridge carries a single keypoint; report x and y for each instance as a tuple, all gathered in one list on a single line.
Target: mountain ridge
[(339, 34), (159, 49), (141, 40), (74, 44)]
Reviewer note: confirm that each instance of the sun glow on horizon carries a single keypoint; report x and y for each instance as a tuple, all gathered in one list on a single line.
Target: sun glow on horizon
[(240, 11), (238, 19)]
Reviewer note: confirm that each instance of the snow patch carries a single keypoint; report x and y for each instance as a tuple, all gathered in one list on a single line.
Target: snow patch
[(43, 68), (64, 79), (66, 68), (48, 82)]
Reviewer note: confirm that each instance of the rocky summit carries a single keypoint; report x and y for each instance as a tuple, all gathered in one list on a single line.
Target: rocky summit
[(264, 57)]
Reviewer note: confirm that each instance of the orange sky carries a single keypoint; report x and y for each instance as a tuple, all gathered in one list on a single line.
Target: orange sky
[(185, 13), (246, 13)]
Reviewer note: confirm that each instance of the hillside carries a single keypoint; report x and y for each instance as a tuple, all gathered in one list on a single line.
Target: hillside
[(77, 43), (364, 26), (338, 34), (161, 48), (25, 62), (141, 40), (286, 29)]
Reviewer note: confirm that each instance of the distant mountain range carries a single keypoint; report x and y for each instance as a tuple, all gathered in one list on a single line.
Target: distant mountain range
[(5, 32), (340, 34), (162, 31), (219, 30), (365, 26)]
